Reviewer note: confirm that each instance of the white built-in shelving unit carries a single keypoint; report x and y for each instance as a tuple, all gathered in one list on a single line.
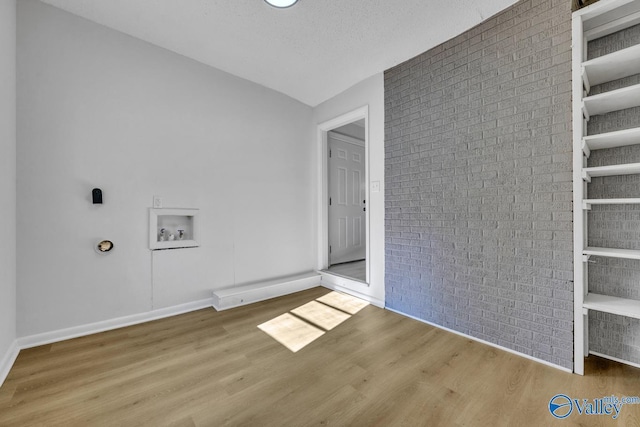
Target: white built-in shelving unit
[(598, 20)]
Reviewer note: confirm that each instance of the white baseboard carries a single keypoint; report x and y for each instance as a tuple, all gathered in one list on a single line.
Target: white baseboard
[(615, 359), (224, 299), (330, 284), (508, 350), (107, 325), (344, 281), (7, 361)]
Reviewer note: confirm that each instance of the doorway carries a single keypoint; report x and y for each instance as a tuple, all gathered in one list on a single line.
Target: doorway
[(344, 225), (347, 202)]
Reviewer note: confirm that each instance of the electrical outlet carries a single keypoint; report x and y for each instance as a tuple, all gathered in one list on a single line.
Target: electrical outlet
[(375, 186), (157, 202)]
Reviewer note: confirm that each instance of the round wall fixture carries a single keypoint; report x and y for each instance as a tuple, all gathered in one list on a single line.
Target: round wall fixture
[(281, 3), (104, 246)]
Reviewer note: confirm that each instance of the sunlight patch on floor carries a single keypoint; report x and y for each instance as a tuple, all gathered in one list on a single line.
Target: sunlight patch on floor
[(321, 315), (343, 302), (305, 324), (291, 332)]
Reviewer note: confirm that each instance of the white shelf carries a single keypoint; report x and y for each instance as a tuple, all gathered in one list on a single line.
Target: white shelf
[(614, 100), (610, 18), (586, 204), (612, 170), (614, 66), (618, 138), (612, 253), (613, 305)]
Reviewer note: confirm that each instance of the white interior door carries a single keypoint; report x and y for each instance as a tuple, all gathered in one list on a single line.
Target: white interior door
[(347, 204)]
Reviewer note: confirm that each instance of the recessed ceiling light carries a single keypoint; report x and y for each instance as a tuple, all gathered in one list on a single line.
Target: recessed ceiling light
[(281, 3)]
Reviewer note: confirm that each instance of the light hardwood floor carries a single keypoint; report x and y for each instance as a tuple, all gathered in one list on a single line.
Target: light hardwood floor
[(376, 369)]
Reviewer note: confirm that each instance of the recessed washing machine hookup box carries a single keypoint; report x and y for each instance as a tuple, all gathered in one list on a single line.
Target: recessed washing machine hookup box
[(173, 228)]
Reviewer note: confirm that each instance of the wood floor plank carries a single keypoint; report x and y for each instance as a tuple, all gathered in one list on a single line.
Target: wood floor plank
[(377, 368)]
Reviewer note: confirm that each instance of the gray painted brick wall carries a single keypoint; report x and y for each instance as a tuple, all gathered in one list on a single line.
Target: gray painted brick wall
[(478, 182), (616, 226)]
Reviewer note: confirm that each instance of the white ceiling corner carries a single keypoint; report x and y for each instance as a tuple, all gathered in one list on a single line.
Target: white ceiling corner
[(311, 51)]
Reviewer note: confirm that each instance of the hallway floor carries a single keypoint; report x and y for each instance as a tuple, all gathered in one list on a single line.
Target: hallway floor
[(354, 270)]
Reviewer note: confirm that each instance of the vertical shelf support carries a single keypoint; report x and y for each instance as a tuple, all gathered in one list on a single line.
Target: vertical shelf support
[(579, 215)]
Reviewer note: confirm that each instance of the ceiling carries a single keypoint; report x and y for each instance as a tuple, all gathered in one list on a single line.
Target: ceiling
[(311, 51)]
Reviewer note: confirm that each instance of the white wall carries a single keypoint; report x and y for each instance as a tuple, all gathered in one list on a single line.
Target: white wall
[(7, 176), (97, 108), (368, 92)]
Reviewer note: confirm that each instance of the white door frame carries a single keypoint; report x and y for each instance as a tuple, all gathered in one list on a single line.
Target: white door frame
[(323, 182)]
